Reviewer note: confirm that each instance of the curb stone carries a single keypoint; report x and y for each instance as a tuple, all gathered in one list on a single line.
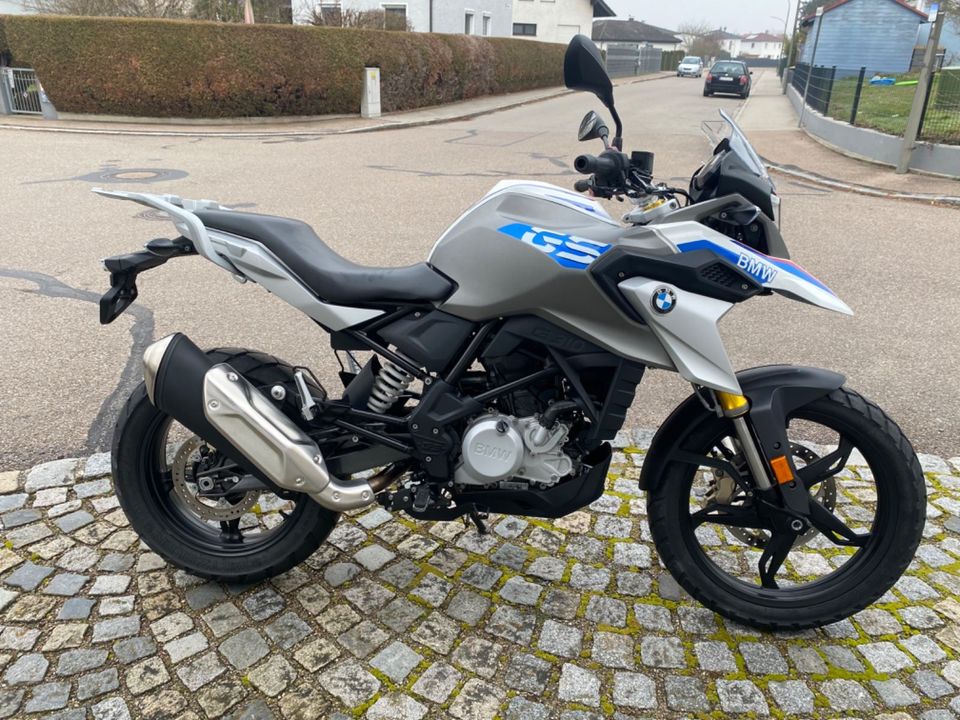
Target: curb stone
[(253, 134), (401, 619)]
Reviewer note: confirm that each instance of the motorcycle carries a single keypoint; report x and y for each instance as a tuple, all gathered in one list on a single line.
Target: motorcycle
[(500, 370)]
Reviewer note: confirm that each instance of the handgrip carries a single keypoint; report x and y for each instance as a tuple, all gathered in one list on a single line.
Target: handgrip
[(590, 164), (581, 185)]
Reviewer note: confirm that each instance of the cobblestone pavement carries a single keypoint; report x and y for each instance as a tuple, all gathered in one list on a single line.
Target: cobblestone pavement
[(572, 619)]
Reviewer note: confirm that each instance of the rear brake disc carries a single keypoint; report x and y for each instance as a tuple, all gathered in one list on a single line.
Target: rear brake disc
[(216, 510)]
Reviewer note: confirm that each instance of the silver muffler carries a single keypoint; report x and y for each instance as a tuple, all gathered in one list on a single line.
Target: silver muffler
[(218, 404)]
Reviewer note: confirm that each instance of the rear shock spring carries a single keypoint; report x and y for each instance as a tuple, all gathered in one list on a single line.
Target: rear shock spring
[(391, 382)]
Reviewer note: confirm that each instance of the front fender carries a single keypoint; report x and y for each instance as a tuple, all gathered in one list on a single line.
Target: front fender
[(774, 392)]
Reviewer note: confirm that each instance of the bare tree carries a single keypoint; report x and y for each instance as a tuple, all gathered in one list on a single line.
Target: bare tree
[(111, 8), (700, 39), (264, 11), (335, 16)]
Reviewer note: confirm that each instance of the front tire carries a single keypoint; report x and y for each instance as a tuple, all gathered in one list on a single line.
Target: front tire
[(849, 581), (176, 528)]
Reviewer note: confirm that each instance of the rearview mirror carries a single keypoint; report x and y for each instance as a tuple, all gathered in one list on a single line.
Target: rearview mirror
[(592, 127), (583, 70)]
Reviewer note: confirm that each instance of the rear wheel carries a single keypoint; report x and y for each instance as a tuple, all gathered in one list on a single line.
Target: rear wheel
[(704, 518), (175, 489)]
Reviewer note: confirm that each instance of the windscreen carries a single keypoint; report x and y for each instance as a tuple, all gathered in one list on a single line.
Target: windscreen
[(717, 130), (728, 67), (690, 61)]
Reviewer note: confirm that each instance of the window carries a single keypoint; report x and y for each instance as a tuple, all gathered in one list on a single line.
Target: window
[(525, 29), (486, 25), (395, 17), (468, 23)]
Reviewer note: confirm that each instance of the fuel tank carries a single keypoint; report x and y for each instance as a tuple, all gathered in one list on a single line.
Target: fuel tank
[(525, 249)]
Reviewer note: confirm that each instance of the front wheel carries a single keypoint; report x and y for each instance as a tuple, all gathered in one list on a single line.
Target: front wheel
[(175, 489), (713, 533)]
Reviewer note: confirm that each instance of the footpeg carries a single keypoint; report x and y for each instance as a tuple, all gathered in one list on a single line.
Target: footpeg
[(421, 500)]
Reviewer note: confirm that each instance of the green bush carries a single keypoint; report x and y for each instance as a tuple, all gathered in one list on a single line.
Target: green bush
[(670, 59), (170, 68)]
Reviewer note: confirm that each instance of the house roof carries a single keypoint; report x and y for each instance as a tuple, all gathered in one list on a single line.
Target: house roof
[(631, 31), (763, 37), (837, 3), (721, 34), (601, 9)]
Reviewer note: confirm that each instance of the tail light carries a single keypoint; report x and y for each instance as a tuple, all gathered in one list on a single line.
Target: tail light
[(709, 77), (743, 79)]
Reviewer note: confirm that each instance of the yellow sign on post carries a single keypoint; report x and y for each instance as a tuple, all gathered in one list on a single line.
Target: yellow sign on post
[(370, 101)]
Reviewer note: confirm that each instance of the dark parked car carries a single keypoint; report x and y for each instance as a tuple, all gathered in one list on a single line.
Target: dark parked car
[(728, 76)]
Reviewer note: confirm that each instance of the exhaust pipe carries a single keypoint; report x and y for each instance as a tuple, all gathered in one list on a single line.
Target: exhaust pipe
[(217, 403)]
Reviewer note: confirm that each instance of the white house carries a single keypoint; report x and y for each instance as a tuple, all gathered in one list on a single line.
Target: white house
[(471, 17), (761, 45), (556, 21)]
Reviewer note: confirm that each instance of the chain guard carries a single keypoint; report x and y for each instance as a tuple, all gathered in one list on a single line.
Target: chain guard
[(723, 489)]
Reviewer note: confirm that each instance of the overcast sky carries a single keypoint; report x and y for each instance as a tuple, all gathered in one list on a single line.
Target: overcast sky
[(739, 16)]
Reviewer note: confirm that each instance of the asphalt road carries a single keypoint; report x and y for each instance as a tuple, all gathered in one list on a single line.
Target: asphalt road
[(382, 199)]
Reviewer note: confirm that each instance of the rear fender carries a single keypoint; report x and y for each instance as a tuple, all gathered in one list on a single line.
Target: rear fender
[(774, 392)]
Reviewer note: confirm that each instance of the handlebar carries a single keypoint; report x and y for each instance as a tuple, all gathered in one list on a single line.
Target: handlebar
[(590, 164), (581, 185)]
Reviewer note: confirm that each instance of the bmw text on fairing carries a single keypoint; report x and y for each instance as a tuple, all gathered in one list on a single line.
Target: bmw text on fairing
[(495, 374)]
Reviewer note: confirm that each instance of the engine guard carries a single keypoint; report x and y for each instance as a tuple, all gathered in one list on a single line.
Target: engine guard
[(553, 502)]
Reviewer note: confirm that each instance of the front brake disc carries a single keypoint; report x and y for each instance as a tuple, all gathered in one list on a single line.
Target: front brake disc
[(723, 489), (214, 509)]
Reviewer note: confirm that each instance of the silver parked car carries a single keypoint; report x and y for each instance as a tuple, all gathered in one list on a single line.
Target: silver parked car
[(691, 65)]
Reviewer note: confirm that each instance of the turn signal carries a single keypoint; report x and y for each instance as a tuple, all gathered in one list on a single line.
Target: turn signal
[(781, 469)]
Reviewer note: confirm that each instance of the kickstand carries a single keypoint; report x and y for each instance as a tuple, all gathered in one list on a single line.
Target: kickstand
[(478, 521)]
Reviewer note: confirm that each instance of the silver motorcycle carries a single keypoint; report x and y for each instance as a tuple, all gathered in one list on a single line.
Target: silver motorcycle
[(494, 375)]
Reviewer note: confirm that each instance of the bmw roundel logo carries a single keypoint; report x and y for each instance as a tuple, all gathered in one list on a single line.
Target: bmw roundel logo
[(664, 300)]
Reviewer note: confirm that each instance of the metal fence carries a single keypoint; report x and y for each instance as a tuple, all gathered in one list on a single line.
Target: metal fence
[(882, 101), (625, 59), (23, 90)]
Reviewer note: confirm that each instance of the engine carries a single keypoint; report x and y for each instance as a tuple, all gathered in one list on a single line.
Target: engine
[(513, 453)]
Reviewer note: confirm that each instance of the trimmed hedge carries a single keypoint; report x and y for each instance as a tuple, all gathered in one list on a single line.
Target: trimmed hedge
[(172, 68), (670, 59)]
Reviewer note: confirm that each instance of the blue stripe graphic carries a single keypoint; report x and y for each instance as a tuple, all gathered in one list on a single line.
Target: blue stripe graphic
[(754, 271)]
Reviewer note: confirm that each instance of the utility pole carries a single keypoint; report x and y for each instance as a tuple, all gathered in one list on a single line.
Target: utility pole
[(793, 45), (783, 40), (926, 77), (813, 57)]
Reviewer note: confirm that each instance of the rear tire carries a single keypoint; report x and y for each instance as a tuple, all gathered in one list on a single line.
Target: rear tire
[(895, 533), (140, 487)]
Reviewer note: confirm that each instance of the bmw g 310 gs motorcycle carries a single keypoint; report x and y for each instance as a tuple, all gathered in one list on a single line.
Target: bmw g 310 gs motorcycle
[(502, 367)]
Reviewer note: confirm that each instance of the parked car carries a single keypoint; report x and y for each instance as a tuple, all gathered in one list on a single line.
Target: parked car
[(728, 76), (692, 66)]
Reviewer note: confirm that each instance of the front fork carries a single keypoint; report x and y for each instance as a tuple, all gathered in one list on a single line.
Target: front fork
[(768, 470)]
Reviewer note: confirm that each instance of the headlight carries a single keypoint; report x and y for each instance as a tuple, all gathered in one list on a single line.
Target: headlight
[(775, 201)]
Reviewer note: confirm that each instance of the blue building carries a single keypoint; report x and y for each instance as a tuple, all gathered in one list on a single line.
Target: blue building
[(877, 34)]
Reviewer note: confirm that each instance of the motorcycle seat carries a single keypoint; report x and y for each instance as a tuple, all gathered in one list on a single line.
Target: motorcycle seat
[(331, 276)]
